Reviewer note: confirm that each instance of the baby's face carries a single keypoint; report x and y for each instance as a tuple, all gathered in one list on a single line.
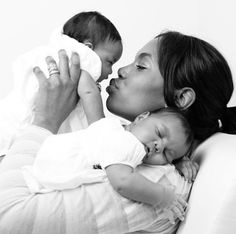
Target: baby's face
[(109, 53), (163, 138)]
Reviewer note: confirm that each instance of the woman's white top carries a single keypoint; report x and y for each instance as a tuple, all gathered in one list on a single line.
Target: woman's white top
[(16, 108), (90, 208), (66, 161)]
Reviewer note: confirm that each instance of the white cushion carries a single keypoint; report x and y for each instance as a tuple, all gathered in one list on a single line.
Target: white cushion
[(212, 204)]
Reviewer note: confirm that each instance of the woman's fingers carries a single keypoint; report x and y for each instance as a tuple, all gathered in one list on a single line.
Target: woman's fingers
[(182, 202), (75, 70), (178, 213), (52, 66), (54, 74), (169, 215), (40, 76), (64, 66), (57, 96)]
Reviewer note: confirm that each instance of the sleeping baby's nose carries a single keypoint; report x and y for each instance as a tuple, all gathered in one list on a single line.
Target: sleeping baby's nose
[(159, 146)]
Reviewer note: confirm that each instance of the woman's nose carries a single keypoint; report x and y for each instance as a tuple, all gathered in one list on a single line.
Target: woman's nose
[(122, 72)]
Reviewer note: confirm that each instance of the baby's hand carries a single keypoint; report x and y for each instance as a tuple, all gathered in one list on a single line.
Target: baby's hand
[(90, 97), (87, 85), (187, 168), (176, 210)]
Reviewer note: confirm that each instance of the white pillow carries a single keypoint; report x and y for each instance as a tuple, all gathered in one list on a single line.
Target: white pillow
[(212, 204)]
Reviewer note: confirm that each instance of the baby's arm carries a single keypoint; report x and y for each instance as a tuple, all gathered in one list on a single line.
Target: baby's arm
[(90, 97), (136, 187)]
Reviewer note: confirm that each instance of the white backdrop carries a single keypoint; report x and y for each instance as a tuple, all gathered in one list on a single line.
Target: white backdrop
[(25, 24)]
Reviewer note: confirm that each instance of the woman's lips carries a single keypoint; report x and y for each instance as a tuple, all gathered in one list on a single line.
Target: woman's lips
[(113, 82), (112, 86)]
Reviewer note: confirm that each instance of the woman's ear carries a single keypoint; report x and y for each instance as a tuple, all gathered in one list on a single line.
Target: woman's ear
[(142, 116), (185, 97), (88, 43)]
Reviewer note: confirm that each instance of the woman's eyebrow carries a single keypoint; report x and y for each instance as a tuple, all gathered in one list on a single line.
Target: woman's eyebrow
[(143, 55)]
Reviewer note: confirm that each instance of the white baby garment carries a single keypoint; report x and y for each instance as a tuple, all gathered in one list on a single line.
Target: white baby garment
[(65, 161), (17, 106)]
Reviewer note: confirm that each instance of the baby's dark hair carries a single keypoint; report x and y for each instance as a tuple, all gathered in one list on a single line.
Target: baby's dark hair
[(183, 121), (91, 26)]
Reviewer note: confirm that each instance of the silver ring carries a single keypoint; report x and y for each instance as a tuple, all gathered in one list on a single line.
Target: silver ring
[(52, 69), (52, 72)]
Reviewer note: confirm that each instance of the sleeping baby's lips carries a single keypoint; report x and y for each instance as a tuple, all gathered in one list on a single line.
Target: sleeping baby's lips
[(147, 150)]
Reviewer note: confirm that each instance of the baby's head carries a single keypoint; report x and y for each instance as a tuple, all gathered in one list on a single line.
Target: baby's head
[(165, 134), (99, 34)]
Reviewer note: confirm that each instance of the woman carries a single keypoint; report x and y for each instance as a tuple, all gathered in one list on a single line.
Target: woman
[(177, 71), (172, 69)]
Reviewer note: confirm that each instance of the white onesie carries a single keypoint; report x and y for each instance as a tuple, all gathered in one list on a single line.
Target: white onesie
[(65, 161), (16, 108)]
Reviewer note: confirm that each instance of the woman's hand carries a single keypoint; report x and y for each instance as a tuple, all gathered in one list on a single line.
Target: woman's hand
[(187, 168), (57, 96), (176, 210)]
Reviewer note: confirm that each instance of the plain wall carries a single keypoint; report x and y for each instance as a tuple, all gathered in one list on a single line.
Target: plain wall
[(27, 23)]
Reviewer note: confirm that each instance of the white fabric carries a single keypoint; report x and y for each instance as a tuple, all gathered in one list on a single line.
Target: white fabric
[(91, 209), (212, 204), (16, 108), (66, 161)]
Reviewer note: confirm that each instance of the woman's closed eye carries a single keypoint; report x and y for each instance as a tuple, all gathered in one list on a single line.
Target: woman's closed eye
[(140, 67)]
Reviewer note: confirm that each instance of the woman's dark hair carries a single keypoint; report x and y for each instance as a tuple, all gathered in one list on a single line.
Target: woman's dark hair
[(178, 114), (186, 61), (91, 26)]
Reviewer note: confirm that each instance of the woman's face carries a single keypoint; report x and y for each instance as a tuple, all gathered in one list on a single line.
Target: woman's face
[(139, 87)]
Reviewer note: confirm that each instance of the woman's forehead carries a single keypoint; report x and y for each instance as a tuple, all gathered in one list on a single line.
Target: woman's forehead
[(149, 49)]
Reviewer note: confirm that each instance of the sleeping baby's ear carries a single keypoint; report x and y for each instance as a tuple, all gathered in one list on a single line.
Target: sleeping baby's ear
[(88, 43), (142, 116)]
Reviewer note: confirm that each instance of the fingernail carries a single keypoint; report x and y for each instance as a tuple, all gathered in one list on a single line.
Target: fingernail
[(36, 69), (49, 58), (62, 52), (75, 58)]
